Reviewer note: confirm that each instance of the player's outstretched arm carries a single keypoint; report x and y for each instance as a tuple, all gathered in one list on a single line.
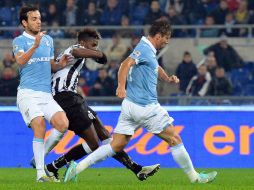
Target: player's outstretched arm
[(122, 76), (163, 75), (23, 57), (99, 56)]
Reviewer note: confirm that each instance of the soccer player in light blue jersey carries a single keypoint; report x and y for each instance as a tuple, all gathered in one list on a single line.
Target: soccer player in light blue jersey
[(140, 106), (34, 53)]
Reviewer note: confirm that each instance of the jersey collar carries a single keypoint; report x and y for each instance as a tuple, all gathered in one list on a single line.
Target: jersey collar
[(149, 43), (28, 35)]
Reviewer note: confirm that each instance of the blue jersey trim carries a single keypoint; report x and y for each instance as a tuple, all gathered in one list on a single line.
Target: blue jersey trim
[(38, 140)]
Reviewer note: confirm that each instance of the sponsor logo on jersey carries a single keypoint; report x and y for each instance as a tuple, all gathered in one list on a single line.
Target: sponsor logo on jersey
[(15, 48), (39, 59)]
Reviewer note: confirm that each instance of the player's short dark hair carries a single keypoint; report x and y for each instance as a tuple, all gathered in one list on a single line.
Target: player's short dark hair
[(88, 33), (160, 26), (23, 12)]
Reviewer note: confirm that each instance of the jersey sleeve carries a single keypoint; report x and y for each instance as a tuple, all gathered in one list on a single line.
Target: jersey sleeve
[(137, 55), (17, 46)]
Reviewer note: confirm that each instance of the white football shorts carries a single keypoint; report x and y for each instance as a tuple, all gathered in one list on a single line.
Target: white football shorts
[(32, 104), (153, 117)]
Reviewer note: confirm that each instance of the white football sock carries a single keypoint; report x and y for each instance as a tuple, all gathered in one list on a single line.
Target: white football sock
[(38, 149), (53, 139), (182, 158), (98, 155)]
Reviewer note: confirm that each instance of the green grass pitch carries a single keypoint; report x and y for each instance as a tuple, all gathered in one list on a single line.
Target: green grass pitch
[(122, 179)]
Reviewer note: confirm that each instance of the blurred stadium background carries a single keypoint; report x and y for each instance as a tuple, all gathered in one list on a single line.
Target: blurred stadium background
[(211, 51)]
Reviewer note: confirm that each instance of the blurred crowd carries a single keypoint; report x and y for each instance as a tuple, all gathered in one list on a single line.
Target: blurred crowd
[(222, 72), (135, 12)]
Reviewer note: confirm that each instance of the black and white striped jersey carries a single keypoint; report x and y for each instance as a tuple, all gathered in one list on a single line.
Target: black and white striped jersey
[(66, 79)]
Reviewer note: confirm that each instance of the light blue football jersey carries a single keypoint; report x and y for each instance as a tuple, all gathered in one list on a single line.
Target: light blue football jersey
[(143, 76), (36, 73)]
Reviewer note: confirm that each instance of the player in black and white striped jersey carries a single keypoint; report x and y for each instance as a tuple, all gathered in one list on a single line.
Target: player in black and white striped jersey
[(83, 121), (66, 79)]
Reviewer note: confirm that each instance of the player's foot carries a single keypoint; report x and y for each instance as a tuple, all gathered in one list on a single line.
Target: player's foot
[(147, 171), (206, 178), (45, 179), (53, 175), (32, 163), (70, 173)]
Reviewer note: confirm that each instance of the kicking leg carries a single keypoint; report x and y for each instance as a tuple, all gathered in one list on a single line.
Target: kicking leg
[(141, 172), (117, 145), (122, 156), (182, 157)]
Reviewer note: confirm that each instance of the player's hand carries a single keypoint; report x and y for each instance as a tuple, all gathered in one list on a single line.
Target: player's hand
[(173, 79), (120, 92), (38, 38), (65, 59)]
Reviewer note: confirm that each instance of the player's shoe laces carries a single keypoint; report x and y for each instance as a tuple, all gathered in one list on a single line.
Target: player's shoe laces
[(70, 173), (32, 163), (206, 178), (45, 179), (147, 171), (53, 175)]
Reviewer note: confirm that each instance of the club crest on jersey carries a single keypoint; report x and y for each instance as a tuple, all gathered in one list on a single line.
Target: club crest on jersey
[(15, 47), (47, 43), (137, 53), (90, 115)]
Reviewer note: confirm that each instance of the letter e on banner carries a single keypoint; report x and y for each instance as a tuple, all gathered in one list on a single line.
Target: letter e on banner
[(210, 139)]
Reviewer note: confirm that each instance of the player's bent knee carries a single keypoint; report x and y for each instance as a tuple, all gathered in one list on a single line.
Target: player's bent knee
[(63, 125), (175, 140), (38, 123), (117, 147), (60, 122), (38, 126)]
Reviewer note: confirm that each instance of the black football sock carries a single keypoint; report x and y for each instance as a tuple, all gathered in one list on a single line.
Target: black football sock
[(124, 158), (75, 153)]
